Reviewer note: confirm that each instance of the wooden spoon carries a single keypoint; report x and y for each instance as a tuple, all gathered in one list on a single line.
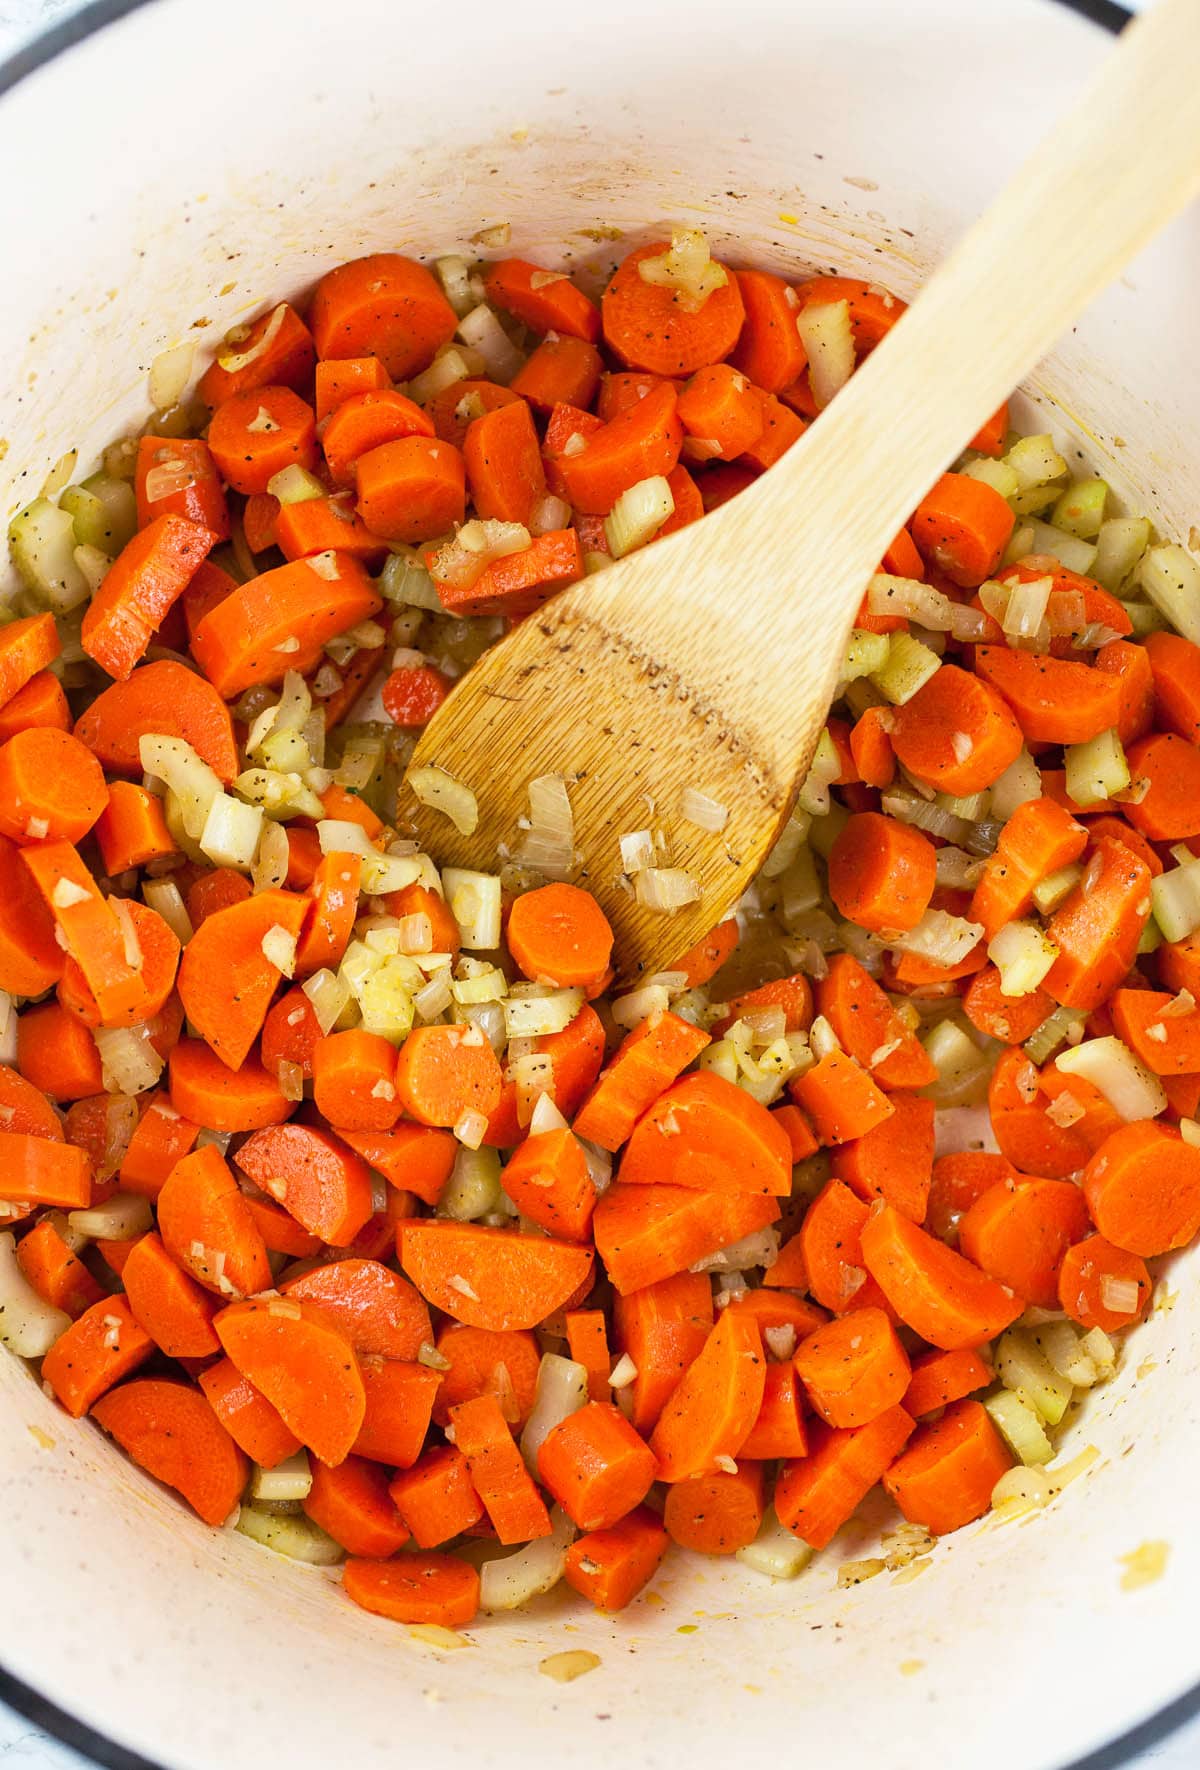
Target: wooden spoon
[(709, 658)]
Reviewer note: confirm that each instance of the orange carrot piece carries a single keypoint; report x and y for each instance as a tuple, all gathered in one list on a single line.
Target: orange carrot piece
[(649, 329), (1094, 1281), (881, 873), (712, 1410), (648, 1060), (1030, 1140), (25, 1108), (436, 1498), (445, 1071), (51, 787), (793, 994), (325, 525), (1168, 810), (175, 1311), (610, 1567), (545, 301), (44, 1171), (1143, 1189), (853, 1369), (412, 1158), (170, 1429), (939, 1294), (365, 421), (548, 1180), (663, 1328), (621, 389), (31, 961), (103, 1345), (647, 1233), (962, 527), (866, 1024), (226, 980), (643, 441), (412, 489), (957, 733), (779, 1429), (166, 698), (305, 1367), (330, 920), (351, 1504), (376, 1309), (399, 1402), (353, 1080), (945, 1477), (871, 748), (517, 583), (57, 1053), (412, 695), (1055, 700), (575, 1056), (559, 934), (41, 703), (483, 1362), (1131, 666), (131, 829), (498, 1474), (587, 1342), (145, 579), (177, 476), (1098, 928), (815, 1495), (1167, 1043), (90, 930), (721, 413), (281, 1234), (419, 900), (559, 371), (458, 406), (422, 1589), (504, 464), (704, 1132), (781, 428), (385, 306), (256, 434), (207, 1227), (1011, 1019), (214, 891), (26, 647), (242, 641), (938, 1378), (840, 1098), (1175, 668), (246, 1414), (768, 348), (777, 1309), (596, 1465), (58, 1276), (340, 379), (491, 1278), (318, 1181), (158, 947), (718, 1512), (1018, 1233), (276, 347), (799, 1132), (702, 962), (894, 1161)]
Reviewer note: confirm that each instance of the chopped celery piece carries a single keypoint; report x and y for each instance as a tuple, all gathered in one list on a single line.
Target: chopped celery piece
[(972, 808), (1150, 939), (1096, 770), (1024, 1370), (962, 1068), (1029, 504), (1056, 887), (404, 579), (562, 1389), (775, 1551), (297, 1538), (293, 485), (104, 512), (941, 938), (1175, 896), (385, 1000), (1109, 1065), (1034, 460), (474, 900), (637, 515), (289, 1480), (473, 1189), (1057, 1029), (42, 541), (908, 667), (1019, 1426), (1120, 544), (1080, 510), (787, 844), (231, 832), (1144, 619), (1060, 1343), (862, 693), (1171, 579), (1020, 782), (823, 770), (454, 274), (1069, 550), (1023, 954), (826, 830), (865, 653), (828, 339), (998, 474)]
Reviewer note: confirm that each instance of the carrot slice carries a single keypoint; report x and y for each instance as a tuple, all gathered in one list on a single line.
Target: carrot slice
[(575, 1056), (610, 1567), (353, 1080), (171, 1430), (105, 1344), (1130, 664), (868, 1027), (26, 647), (363, 422), (377, 1310), (51, 787), (322, 1184), (1019, 1232), (158, 949), (777, 1309), (175, 1311), (457, 406), (936, 1292), (482, 1362), (276, 347), (57, 1053), (445, 1071), (436, 1498), (938, 1378), (249, 637), (840, 1098), (412, 1158), (1098, 928), (547, 1178), (25, 1108), (177, 476), (596, 1465), (956, 732), (491, 1278), (716, 1513), (1171, 767), (247, 1415), (207, 1227), (399, 1404), (56, 1274), (385, 306), (145, 579), (962, 527), (1010, 1019), (560, 371), (1103, 1286), (1039, 838), (768, 349), (704, 1132), (131, 829), (894, 1161), (425, 1589), (44, 1171), (647, 1233), (882, 873), (305, 1367), (815, 1495), (1175, 669), (91, 932), (721, 413), (227, 980), (958, 1180), (545, 301), (40, 703), (412, 489), (498, 1474), (779, 1429), (853, 1369), (352, 1505), (648, 328), (340, 379), (587, 1343), (1055, 700), (559, 934), (639, 443), (207, 1091), (1143, 1189), (504, 464), (711, 1412), (517, 583), (793, 994), (163, 698), (663, 1328), (945, 1477)]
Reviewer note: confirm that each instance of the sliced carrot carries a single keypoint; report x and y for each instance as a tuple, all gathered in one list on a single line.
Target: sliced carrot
[(945, 1477), (641, 442), (25, 1108), (385, 306), (1170, 767), (596, 1465), (424, 1589), (962, 526), (939, 1294), (777, 1309), (305, 1367), (800, 1133), (458, 406), (1030, 1140), (561, 370), (91, 931), (610, 1567), (51, 787), (1055, 700), (44, 1171), (446, 1071), (281, 1234), (779, 1429), (177, 476), (1117, 830), (249, 638), (210, 585), (1175, 667), (377, 1310), (276, 347), (721, 413), (206, 1226), (504, 464), (41, 703), (351, 1503), (1018, 1233), (1098, 928), (829, 1245), (491, 1278), (57, 1053), (840, 1098), (718, 1512), (104, 1345), (412, 1158), (712, 1410), (559, 934), (1143, 1189), (157, 947), (575, 1056), (325, 525), (545, 301), (663, 1328), (956, 732), (412, 489), (1011, 1019), (436, 1498), (1132, 667), (938, 1378), (341, 378), (894, 1161), (647, 1233), (1102, 1286), (869, 1028), (517, 583), (815, 1495), (247, 1415), (354, 1080), (167, 699), (587, 1342), (958, 1180), (1166, 1042), (704, 1132), (781, 428), (330, 921), (145, 579), (853, 1369), (363, 422), (310, 1172), (548, 1180), (649, 329), (482, 1362), (769, 349), (412, 695), (26, 647), (227, 980), (56, 1274), (871, 748), (175, 1311), (131, 829), (217, 890), (1039, 838), (171, 1430), (498, 1474), (793, 994), (882, 873), (399, 1404)]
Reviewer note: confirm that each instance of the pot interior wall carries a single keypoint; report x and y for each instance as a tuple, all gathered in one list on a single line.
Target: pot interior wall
[(234, 154)]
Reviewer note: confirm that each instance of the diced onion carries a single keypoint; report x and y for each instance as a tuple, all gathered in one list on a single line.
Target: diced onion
[(828, 339), (165, 897), (279, 949), (702, 810), (170, 373), (666, 889), (939, 938), (687, 267), (1023, 954), (123, 1217), (910, 598), (231, 832), (637, 851), (548, 845), (454, 274), (1026, 607), (549, 513), (1109, 1065), (482, 330), (538, 1016), (1171, 579), (329, 994), (637, 515), (289, 1480), (29, 1325), (776, 1551), (128, 1061)]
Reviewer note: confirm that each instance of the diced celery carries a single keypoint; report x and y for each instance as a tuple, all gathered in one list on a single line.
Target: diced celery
[(1060, 1343), (862, 693), (474, 900), (1069, 550), (826, 830), (1024, 1370), (998, 474), (828, 339), (776, 1551), (787, 844), (973, 807), (174, 761), (294, 485), (1080, 510), (231, 832), (1035, 460), (1150, 939), (1109, 1065), (1056, 887), (721, 1058), (637, 515), (289, 1480), (1175, 896), (1096, 770), (962, 1068), (908, 667), (473, 1189), (562, 1389), (865, 653), (385, 999), (297, 1538), (1023, 954), (104, 512), (42, 541), (404, 579), (1171, 579), (1144, 619), (1055, 1030), (1120, 544), (1019, 1426), (823, 770)]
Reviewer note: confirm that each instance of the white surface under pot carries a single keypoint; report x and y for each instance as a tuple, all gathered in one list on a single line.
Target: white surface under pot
[(163, 178)]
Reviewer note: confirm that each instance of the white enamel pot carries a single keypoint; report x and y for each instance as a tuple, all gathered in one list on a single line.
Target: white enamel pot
[(170, 166)]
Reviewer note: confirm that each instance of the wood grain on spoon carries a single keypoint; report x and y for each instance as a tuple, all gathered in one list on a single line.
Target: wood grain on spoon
[(709, 658)]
